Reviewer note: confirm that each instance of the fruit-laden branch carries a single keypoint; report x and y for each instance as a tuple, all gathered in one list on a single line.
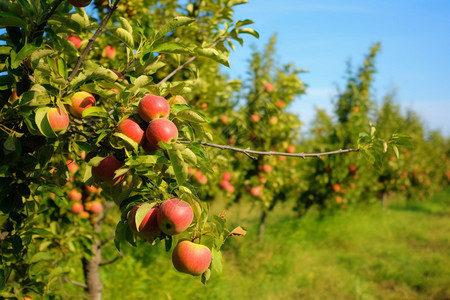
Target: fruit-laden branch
[(111, 9), (248, 152), (171, 74), (107, 262)]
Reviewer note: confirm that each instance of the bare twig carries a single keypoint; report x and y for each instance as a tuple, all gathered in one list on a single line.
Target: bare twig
[(107, 262), (75, 282), (171, 74), (248, 152), (111, 9)]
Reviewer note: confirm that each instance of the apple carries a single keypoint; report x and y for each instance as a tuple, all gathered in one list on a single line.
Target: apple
[(58, 119), (338, 199), (225, 184), (84, 214), (262, 180), (13, 96), (204, 106), (355, 109), (153, 107), (148, 148), (110, 51), (148, 229), (96, 207), (75, 195), (231, 141), (131, 129), (336, 187), (191, 258), (105, 171), (201, 178), (256, 191), (230, 189), (268, 87), (174, 216), (71, 166), (267, 168), (226, 176), (280, 104), (161, 130), (177, 100), (254, 118), (75, 40), (352, 168), (273, 120), (81, 101), (291, 149), (77, 208), (224, 119), (79, 3), (89, 189), (282, 158)]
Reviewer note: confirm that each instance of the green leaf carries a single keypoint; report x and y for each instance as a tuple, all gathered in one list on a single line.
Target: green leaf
[(43, 124), (189, 156), (120, 234), (126, 25), (27, 50), (172, 25), (192, 116), (216, 260), (95, 111), (128, 140), (41, 256), (205, 276), (249, 31), (125, 37), (171, 47), (395, 148), (213, 54), (129, 200), (40, 53), (142, 212), (180, 168), (9, 20)]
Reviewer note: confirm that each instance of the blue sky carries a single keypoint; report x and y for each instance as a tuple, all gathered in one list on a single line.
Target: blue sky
[(323, 35)]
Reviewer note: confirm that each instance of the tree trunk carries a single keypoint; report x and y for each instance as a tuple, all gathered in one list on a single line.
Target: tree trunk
[(91, 267), (262, 221)]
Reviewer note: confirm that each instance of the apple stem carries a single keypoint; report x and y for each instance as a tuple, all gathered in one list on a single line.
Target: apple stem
[(199, 237), (248, 151), (111, 9)]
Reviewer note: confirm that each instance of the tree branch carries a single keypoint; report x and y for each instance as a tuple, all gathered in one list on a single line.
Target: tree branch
[(171, 74), (39, 29), (75, 282), (107, 262), (248, 152), (92, 40)]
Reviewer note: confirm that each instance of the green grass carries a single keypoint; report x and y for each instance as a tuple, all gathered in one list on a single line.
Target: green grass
[(365, 253)]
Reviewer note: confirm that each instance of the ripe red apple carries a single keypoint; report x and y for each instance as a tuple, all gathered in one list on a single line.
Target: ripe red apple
[(336, 187), (282, 158), (71, 166), (338, 199), (90, 189), (224, 119), (291, 149), (77, 208), (75, 40), (191, 258), (153, 107), (267, 168), (177, 100), (230, 188), (226, 176), (110, 51), (80, 3), (201, 178), (280, 104), (231, 141), (75, 195), (204, 106), (131, 129), (161, 130), (225, 184), (105, 171), (58, 119), (352, 168), (174, 216), (262, 180), (96, 207), (84, 214), (81, 101), (268, 87), (256, 191), (254, 118), (148, 229)]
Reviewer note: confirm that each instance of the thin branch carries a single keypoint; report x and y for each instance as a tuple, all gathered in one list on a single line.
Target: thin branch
[(248, 152), (171, 74), (39, 29), (75, 282), (92, 40), (107, 262)]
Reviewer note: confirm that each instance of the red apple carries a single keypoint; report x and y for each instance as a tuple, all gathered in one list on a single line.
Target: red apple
[(177, 100), (268, 87), (282, 158), (81, 101), (80, 3), (204, 106), (291, 149), (153, 107), (84, 214), (280, 104), (75, 40), (338, 199), (225, 184), (131, 129), (174, 216), (254, 118), (96, 207), (105, 171), (58, 119), (224, 119), (110, 51), (90, 189), (148, 229), (191, 258), (230, 189), (352, 169), (75, 195), (161, 130), (256, 191), (77, 208), (71, 166), (273, 120), (231, 141), (226, 176), (336, 187), (201, 178), (267, 168)]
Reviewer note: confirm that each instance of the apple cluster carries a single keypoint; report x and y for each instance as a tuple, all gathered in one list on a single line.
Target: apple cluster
[(173, 217), (225, 183)]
